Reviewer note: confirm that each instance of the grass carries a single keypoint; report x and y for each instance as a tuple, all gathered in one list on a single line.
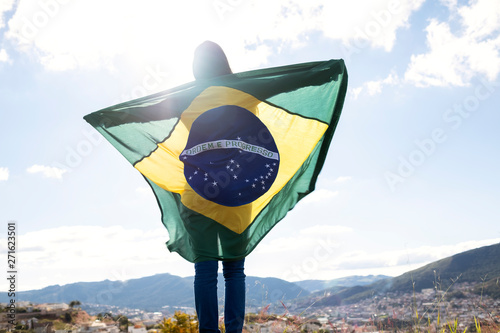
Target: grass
[(442, 312)]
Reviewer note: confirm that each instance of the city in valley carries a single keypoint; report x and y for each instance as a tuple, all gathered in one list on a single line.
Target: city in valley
[(456, 310)]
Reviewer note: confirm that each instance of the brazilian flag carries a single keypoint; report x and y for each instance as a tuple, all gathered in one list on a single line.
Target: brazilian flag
[(228, 157)]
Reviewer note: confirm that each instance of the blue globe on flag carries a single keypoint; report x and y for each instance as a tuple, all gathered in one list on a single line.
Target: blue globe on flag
[(230, 157)]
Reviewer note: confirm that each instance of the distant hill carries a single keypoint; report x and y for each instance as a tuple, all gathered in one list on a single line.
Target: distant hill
[(470, 266), (475, 266), (349, 281), (148, 292), (153, 292)]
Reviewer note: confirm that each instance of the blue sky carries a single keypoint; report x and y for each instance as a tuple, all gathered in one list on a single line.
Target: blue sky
[(411, 176)]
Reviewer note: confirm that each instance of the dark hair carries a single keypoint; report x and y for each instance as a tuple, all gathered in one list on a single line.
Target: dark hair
[(210, 61)]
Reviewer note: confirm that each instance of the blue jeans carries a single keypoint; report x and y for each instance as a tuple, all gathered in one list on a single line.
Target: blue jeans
[(205, 295)]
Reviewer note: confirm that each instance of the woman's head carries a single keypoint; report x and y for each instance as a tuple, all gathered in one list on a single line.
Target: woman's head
[(210, 61)]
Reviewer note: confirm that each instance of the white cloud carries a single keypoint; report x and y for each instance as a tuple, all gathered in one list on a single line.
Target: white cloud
[(320, 195), (342, 179), (322, 230), (366, 23), (4, 57), (415, 257), (355, 92), (481, 19), (48, 172), (161, 31), (449, 3), (92, 253), (375, 87), (330, 182), (304, 239), (455, 56), (4, 174), (60, 36), (5, 5)]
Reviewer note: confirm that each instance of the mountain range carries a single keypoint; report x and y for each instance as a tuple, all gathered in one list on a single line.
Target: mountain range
[(479, 266), (151, 293), (154, 292)]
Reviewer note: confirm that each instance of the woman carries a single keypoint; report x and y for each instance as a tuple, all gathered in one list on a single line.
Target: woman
[(209, 62)]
